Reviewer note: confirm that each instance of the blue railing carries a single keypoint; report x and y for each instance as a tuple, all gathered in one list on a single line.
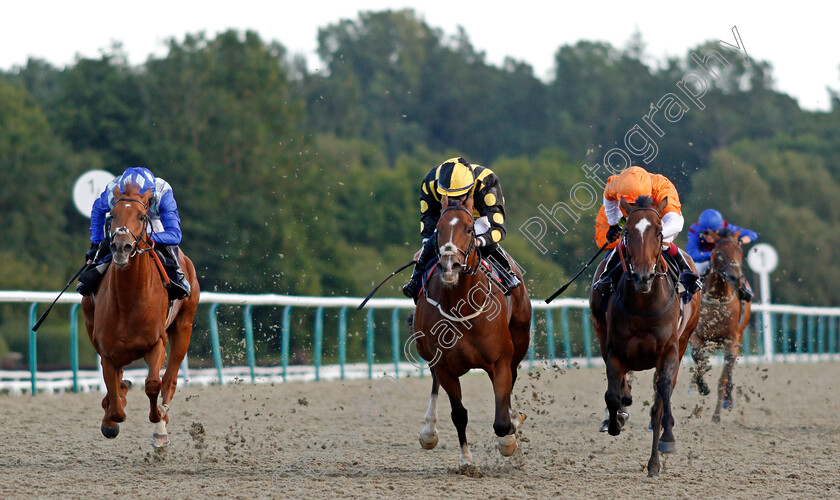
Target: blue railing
[(796, 334)]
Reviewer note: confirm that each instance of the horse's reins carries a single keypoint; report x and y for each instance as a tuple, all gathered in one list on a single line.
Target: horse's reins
[(147, 226), (628, 268)]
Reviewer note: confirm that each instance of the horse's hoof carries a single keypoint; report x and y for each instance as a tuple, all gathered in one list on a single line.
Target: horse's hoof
[(110, 432), (160, 440), (614, 430), (428, 442), (622, 416), (507, 445), (667, 446), (604, 426), (716, 418), (652, 474)]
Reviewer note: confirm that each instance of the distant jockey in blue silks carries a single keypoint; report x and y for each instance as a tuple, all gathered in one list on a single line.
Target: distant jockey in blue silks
[(165, 231), (700, 245)]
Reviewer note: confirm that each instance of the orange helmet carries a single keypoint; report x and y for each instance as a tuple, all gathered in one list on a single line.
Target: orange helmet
[(632, 183)]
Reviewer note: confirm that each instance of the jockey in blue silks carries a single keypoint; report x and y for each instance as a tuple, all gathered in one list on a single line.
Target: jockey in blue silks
[(700, 246), (166, 231)]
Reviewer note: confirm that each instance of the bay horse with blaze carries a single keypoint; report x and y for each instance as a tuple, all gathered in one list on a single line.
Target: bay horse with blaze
[(723, 317), (643, 324), (127, 317), (465, 321)]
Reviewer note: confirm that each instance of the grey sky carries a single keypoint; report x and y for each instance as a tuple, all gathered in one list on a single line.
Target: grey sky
[(800, 41)]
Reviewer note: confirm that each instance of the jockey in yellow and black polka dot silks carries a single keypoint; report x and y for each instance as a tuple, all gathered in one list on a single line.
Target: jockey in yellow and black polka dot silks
[(458, 179)]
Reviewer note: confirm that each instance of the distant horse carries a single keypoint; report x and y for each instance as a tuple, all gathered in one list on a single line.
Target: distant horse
[(127, 318), (643, 325), (723, 317), (465, 321)]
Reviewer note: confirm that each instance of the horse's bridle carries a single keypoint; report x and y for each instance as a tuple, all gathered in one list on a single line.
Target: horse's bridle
[(124, 230), (629, 265), (467, 269), (628, 268), (722, 272)]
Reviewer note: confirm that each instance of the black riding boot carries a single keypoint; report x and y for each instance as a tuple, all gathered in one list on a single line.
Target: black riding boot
[(427, 253), (745, 293), (604, 283), (179, 286), (689, 279), (498, 258), (90, 279)]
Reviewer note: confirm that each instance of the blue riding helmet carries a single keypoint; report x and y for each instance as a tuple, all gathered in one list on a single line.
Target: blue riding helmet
[(710, 220), (139, 176)]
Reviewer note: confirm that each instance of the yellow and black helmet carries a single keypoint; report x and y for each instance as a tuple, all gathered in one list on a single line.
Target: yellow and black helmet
[(454, 177)]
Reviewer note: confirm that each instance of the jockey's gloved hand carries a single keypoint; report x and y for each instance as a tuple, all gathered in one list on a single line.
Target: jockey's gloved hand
[(613, 233), (479, 242), (91, 253)]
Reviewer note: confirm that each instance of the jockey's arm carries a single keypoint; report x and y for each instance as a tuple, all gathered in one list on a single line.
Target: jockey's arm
[(747, 235), (693, 247), (429, 207), (170, 220), (489, 202), (672, 224), (101, 207)]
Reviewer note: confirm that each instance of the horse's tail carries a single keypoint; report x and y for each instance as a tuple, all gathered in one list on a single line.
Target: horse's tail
[(410, 320)]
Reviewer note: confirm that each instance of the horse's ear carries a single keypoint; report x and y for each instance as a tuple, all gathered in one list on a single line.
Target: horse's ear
[(626, 206), (117, 191), (444, 201), (737, 236), (469, 203), (662, 205), (714, 236)]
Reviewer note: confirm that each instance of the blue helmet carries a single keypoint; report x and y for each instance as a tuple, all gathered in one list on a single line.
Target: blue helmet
[(710, 220), (140, 176)]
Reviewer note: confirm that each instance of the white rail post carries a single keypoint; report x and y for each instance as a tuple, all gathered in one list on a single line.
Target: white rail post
[(763, 259)]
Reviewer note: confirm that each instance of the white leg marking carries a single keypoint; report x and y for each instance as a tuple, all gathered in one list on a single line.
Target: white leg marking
[(466, 456), (429, 435), (160, 438)]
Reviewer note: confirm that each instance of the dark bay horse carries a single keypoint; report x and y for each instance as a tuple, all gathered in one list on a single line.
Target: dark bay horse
[(127, 318), (723, 317), (644, 324), (465, 321)]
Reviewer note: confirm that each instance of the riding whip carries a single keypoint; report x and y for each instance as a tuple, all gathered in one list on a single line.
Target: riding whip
[(44, 316), (564, 287), (383, 282)]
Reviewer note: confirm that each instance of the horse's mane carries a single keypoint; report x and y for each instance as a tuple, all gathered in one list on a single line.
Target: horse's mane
[(644, 202), (454, 202), (725, 232)]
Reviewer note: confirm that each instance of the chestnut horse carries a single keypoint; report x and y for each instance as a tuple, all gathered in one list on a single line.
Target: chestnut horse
[(127, 318), (465, 321), (723, 317), (644, 324)]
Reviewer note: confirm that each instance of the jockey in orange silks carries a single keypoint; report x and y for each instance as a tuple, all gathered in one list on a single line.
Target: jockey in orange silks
[(630, 184)]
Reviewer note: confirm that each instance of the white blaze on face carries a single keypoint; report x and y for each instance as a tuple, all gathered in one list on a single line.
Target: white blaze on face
[(453, 222), (641, 226)]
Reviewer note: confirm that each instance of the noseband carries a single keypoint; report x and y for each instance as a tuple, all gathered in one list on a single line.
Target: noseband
[(125, 230), (467, 269)]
